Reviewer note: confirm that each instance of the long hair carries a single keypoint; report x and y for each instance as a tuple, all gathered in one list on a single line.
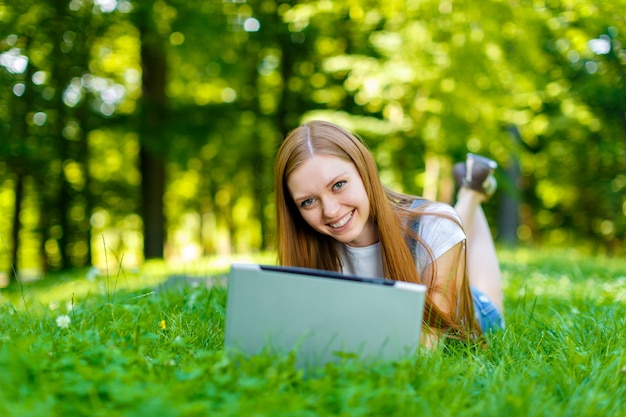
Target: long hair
[(300, 245)]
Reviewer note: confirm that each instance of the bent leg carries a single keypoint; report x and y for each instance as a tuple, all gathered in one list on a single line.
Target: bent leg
[(483, 267)]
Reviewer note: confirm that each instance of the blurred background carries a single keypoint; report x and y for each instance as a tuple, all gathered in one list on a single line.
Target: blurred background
[(138, 130)]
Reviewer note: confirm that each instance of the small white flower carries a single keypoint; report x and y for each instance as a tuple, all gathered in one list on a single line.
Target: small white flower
[(92, 274), (63, 321)]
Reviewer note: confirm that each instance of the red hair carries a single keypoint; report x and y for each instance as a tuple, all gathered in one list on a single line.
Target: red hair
[(300, 245)]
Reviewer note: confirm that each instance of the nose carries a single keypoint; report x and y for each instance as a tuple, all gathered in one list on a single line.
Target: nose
[(331, 207)]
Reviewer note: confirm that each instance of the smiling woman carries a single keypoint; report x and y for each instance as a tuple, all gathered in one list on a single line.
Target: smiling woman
[(331, 198), (334, 213)]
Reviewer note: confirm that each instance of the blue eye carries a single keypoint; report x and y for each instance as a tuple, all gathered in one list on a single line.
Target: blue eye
[(306, 202), (339, 185)]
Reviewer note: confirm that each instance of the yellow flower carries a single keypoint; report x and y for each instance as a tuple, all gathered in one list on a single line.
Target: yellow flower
[(162, 324)]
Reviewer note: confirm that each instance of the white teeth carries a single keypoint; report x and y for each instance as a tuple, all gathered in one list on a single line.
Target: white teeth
[(342, 222)]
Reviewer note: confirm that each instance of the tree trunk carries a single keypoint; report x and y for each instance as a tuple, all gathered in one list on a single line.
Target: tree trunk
[(153, 142), (152, 191), (15, 230), (509, 204), (509, 209)]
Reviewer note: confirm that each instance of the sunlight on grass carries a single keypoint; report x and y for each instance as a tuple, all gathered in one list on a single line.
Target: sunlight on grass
[(74, 285), (566, 274)]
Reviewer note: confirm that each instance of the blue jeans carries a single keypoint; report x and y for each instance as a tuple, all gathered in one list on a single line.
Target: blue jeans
[(487, 314)]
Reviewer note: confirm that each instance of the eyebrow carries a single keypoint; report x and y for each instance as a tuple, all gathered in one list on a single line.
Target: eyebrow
[(329, 184), (336, 178)]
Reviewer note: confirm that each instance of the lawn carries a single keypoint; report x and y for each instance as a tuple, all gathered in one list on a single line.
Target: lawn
[(123, 344)]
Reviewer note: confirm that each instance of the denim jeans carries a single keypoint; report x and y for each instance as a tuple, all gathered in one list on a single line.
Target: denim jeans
[(487, 314)]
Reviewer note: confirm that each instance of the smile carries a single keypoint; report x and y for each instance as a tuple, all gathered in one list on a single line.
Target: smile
[(342, 222)]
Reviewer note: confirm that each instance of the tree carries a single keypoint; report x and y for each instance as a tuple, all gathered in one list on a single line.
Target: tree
[(153, 119), (44, 140)]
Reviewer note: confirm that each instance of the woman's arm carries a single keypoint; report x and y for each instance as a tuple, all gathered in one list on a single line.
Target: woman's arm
[(444, 279)]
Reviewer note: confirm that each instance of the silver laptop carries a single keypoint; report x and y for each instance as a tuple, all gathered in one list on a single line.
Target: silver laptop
[(321, 316)]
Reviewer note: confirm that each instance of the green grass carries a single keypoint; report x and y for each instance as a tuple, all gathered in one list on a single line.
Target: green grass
[(132, 349)]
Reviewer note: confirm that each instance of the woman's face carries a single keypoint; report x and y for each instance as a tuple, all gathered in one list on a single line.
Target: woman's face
[(330, 195)]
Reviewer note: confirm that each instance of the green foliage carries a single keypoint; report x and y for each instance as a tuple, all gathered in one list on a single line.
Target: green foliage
[(156, 351), (212, 87)]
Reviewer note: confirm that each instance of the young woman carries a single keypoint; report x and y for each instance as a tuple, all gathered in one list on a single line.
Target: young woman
[(333, 213)]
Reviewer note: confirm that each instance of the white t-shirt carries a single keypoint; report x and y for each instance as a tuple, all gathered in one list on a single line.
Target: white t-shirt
[(439, 233)]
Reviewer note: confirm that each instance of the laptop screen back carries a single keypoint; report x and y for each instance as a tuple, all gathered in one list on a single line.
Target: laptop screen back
[(321, 315)]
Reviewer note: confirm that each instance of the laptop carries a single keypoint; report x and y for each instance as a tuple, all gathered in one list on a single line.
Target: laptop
[(321, 316)]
